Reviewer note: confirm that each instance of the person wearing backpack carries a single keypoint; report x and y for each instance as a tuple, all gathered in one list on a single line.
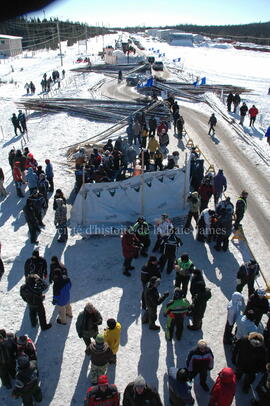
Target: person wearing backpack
[(32, 293), (27, 383)]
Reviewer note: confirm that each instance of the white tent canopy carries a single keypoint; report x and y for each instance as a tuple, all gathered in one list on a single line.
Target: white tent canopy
[(122, 202)]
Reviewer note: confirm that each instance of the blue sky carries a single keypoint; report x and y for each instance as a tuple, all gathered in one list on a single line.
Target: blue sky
[(158, 12)]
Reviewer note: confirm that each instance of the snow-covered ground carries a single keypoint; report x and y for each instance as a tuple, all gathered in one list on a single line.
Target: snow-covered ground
[(95, 265)]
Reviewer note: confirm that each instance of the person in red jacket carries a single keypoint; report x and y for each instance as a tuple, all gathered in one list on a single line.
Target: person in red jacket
[(102, 394), (206, 190), (253, 112), (223, 391), (130, 247), (17, 175)]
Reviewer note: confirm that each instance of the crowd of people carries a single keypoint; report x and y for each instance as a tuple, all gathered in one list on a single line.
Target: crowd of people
[(244, 332), (115, 161)]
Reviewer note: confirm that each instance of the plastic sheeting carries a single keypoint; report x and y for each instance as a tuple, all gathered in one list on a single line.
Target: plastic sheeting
[(122, 202)]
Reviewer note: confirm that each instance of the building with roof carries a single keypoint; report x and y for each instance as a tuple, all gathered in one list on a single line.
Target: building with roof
[(10, 45)]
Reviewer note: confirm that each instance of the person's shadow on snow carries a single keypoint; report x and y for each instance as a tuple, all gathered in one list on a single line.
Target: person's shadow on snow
[(16, 273), (50, 346), (12, 206), (149, 355), (83, 383)]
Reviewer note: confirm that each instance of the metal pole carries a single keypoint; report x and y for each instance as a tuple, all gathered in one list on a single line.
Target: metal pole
[(142, 184), (59, 42), (86, 39), (185, 181)]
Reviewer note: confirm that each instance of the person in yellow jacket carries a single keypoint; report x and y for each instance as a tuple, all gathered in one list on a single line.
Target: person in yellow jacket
[(153, 145), (112, 337)]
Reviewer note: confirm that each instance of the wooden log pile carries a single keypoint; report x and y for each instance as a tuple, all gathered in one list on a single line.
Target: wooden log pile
[(110, 111)]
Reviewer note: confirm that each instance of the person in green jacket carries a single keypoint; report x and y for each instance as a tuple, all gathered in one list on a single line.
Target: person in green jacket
[(183, 267), (176, 310), (141, 229)]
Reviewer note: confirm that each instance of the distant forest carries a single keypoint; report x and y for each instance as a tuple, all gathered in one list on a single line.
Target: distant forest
[(38, 34), (254, 32)]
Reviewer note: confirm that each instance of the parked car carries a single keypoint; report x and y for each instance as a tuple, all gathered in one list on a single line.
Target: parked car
[(158, 65)]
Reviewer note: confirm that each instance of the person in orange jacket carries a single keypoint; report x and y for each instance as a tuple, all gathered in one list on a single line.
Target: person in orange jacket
[(253, 112)]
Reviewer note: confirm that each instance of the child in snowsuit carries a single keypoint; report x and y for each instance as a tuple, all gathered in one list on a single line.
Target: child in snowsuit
[(112, 337)]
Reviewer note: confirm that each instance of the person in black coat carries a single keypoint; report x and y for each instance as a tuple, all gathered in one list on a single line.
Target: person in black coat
[(266, 336), (27, 382), (56, 264), (197, 280), (179, 388), (32, 221), (8, 353), (243, 112), (249, 356), (138, 393), (223, 230), (229, 101), (240, 209), (16, 124), (212, 124), (36, 265), (152, 126), (39, 204), (169, 244), (151, 268), (32, 293), (152, 300), (246, 275), (236, 102), (199, 303), (259, 304)]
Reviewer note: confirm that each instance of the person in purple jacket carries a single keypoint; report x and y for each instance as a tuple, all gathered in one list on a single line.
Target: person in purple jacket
[(220, 185), (61, 296)]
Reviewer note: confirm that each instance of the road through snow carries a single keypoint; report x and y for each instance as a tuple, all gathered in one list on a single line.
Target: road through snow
[(241, 174)]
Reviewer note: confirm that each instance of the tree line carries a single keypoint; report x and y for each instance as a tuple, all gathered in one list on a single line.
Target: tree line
[(253, 32), (40, 34)]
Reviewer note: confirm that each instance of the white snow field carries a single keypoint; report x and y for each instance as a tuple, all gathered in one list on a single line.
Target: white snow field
[(95, 264)]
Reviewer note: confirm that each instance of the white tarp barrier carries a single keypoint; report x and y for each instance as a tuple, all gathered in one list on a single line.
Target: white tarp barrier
[(121, 202)]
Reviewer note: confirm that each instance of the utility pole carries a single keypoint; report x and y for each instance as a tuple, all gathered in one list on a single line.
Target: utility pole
[(59, 42), (86, 39)]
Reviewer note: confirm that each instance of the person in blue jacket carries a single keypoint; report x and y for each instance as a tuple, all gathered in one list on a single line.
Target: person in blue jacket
[(179, 388), (267, 135), (49, 174), (61, 296), (32, 180)]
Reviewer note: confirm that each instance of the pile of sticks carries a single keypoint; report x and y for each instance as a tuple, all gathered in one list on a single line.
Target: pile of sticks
[(109, 111)]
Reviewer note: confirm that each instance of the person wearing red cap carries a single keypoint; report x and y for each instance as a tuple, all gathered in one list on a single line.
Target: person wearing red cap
[(223, 391), (103, 393)]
